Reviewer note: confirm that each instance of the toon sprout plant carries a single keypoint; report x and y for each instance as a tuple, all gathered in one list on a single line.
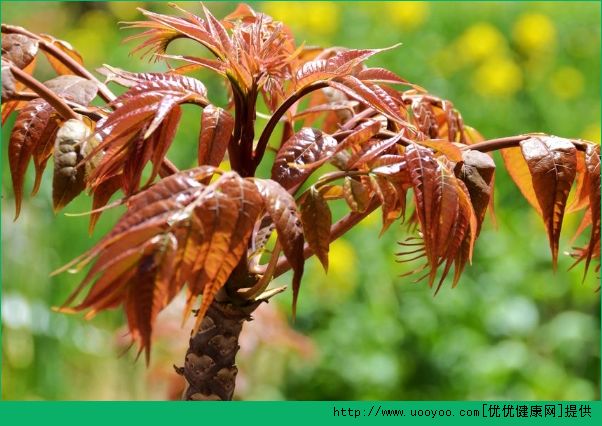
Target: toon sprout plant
[(206, 229)]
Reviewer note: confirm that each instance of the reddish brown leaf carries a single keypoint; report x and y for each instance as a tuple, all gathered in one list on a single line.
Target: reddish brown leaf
[(9, 84), (19, 49), (216, 131), (342, 63), (477, 171), (10, 106), (234, 208), (164, 29), (371, 150), (148, 290), (381, 75), (519, 172), (370, 94), (169, 83), (392, 200), (356, 195), (308, 146), (137, 260), (67, 49), (281, 207), (552, 164), (73, 88), (312, 112), (448, 149), (438, 208), (195, 63), (581, 195), (316, 219), (33, 129), (152, 102), (592, 162), (361, 134)]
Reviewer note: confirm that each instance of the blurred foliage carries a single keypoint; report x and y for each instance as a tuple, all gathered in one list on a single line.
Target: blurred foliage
[(512, 330)]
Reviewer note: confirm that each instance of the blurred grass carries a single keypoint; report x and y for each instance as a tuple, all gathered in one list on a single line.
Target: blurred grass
[(512, 330)]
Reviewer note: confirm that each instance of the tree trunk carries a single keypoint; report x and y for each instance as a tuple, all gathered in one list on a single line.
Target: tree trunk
[(209, 367)]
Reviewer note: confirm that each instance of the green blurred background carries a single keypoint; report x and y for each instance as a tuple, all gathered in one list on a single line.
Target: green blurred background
[(512, 329)]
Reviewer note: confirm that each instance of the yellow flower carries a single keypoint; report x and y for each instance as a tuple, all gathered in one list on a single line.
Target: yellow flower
[(409, 15), (534, 33), (320, 18), (498, 76), (567, 83), (480, 41), (592, 133)]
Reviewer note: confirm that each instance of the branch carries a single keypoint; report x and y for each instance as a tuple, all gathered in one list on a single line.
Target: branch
[(336, 231), (81, 109), (485, 146), (511, 142)]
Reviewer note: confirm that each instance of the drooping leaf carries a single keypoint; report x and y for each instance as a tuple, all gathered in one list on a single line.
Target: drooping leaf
[(317, 219), (443, 210), (11, 106), (477, 171), (216, 131), (148, 291), (423, 170), (552, 163), (73, 88), (592, 249), (9, 83), (67, 49), (519, 172), (392, 199), (307, 146), (281, 207), (582, 186), (468, 224), (136, 263), (19, 49), (33, 128), (356, 194), (233, 209)]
